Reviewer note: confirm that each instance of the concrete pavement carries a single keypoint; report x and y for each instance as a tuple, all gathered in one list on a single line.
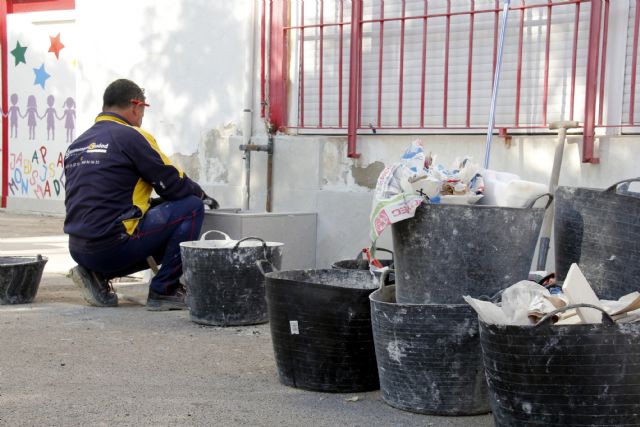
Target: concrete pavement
[(65, 363)]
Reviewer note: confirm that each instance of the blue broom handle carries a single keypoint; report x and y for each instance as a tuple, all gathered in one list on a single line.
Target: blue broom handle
[(496, 81)]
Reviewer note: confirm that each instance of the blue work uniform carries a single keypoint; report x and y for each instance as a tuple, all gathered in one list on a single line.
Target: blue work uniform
[(111, 170)]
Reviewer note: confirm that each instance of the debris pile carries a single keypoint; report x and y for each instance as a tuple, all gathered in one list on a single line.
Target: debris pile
[(527, 303)]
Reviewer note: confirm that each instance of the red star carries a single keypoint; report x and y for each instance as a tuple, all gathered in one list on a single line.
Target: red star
[(56, 45)]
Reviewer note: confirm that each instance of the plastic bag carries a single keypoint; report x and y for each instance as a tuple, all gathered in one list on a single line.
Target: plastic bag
[(394, 198)]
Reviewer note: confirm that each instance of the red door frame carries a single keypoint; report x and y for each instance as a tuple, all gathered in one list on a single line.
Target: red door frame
[(6, 7), (278, 19), (5, 103)]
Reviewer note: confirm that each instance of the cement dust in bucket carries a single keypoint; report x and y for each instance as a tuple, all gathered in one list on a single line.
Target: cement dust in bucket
[(224, 285), (428, 356)]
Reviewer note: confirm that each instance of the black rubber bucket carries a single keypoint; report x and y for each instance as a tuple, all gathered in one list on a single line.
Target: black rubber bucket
[(321, 329), (447, 251), (224, 285), (359, 263), (429, 358), (600, 231), (20, 278), (565, 375)]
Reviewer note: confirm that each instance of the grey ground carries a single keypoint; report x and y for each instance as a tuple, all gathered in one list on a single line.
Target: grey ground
[(63, 362)]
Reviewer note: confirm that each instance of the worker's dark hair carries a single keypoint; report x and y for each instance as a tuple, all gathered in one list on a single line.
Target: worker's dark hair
[(120, 93)]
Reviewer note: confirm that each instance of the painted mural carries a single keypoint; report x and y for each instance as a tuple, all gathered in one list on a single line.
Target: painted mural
[(41, 105)]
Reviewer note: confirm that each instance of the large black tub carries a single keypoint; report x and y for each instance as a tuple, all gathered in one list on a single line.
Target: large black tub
[(429, 357), (20, 278), (569, 375), (600, 231), (447, 251), (224, 285), (321, 329)]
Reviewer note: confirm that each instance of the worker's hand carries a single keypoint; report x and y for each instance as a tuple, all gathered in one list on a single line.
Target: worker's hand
[(209, 201)]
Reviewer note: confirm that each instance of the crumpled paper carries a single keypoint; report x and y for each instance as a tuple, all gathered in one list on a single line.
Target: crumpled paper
[(404, 185), (526, 302), (519, 302)]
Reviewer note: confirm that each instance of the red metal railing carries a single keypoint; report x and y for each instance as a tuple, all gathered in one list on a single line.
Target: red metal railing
[(404, 61)]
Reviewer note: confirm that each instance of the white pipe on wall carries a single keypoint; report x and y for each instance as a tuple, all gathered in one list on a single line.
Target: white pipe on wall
[(247, 112)]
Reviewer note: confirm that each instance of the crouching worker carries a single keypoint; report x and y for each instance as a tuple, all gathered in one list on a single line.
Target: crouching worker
[(111, 170)]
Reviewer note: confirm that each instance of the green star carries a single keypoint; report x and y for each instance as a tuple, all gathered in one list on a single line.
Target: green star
[(18, 53)]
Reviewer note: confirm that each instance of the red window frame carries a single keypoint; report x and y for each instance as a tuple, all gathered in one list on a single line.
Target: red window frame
[(22, 6), (280, 30)]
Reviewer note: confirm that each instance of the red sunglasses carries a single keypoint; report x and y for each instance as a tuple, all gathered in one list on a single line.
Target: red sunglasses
[(138, 102)]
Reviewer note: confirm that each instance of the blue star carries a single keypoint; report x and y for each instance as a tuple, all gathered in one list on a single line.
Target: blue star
[(41, 76)]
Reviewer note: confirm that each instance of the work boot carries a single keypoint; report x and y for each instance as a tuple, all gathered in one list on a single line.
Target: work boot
[(159, 302), (97, 291)]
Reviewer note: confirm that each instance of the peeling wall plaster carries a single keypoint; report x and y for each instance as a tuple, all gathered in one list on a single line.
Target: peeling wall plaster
[(209, 164), (367, 176), (340, 171), (334, 163)]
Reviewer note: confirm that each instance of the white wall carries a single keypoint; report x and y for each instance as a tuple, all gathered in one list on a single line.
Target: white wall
[(188, 55)]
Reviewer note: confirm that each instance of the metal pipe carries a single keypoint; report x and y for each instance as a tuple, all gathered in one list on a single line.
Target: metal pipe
[(380, 62), (269, 206), (424, 63), (591, 83), (277, 104), (445, 102), (519, 68), (603, 62), (301, 77), (263, 45), (246, 205), (634, 63), (321, 59), (574, 61), (268, 148), (496, 81), (401, 79), (340, 64), (354, 79), (547, 48), (470, 62), (255, 147), (247, 119)]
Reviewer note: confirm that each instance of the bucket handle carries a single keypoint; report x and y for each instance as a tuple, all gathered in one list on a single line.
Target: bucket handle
[(614, 187), (259, 264), (264, 244), (225, 235), (546, 320), (360, 255), (533, 200)]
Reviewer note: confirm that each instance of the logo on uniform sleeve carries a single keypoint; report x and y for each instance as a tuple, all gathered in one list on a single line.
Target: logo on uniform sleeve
[(95, 147)]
